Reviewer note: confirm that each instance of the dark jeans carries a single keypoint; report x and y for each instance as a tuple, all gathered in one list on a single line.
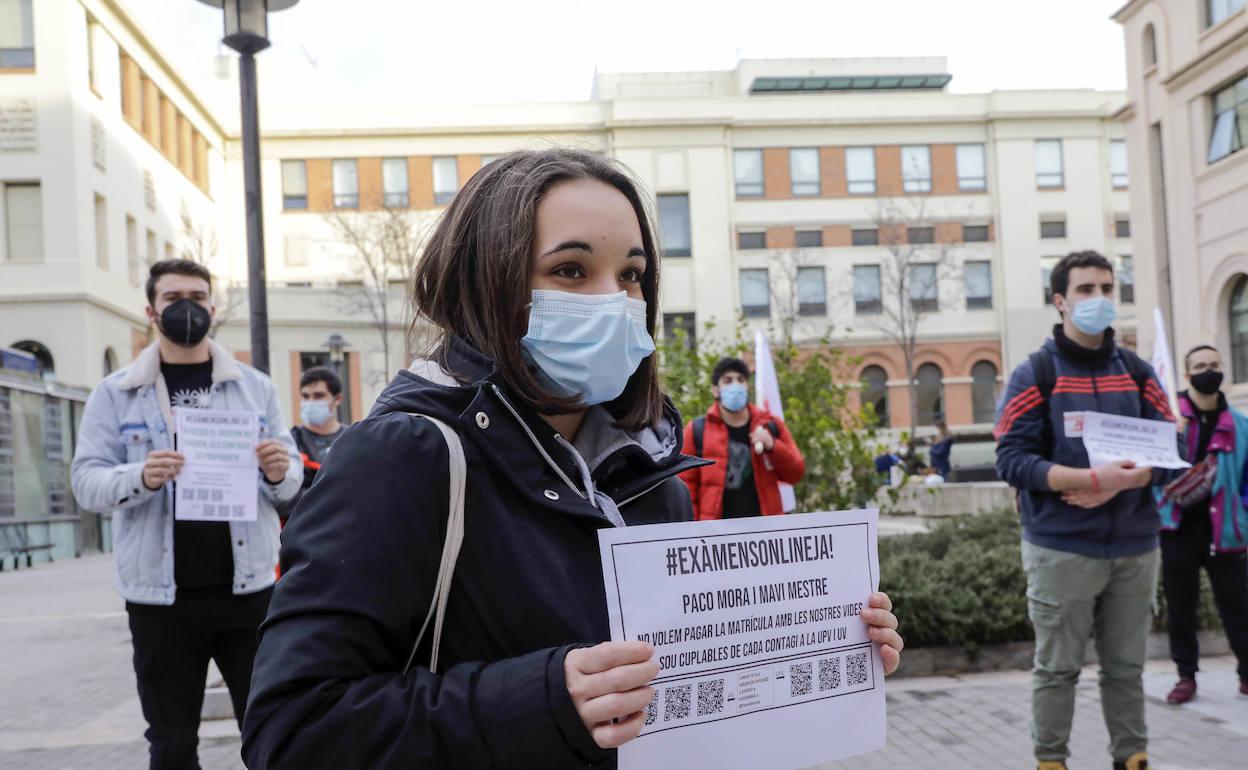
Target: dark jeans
[(1183, 554), (172, 647)]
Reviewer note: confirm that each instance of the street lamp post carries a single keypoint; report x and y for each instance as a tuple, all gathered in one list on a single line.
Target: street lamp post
[(337, 345), (246, 31)]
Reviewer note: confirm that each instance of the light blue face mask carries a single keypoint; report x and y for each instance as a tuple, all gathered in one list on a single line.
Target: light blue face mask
[(734, 397), (314, 412), (587, 344), (1093, 316)]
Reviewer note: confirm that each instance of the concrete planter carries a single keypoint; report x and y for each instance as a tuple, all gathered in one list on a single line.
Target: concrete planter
[(1016, 656)]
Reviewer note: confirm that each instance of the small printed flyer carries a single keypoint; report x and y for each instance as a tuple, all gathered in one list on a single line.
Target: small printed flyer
[(1147, 443), (218, 480), (764, 659)]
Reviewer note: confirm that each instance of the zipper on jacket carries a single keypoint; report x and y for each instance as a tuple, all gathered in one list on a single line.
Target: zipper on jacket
[(541, 450)]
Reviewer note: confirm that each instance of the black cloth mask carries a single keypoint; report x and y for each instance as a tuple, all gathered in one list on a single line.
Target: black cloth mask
[(185, 323), (1207, 382)]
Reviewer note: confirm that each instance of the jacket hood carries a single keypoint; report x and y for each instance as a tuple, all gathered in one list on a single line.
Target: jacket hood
[(620, 462)]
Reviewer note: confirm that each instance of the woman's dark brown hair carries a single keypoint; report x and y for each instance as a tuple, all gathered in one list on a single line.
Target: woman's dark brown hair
[(472, 281)]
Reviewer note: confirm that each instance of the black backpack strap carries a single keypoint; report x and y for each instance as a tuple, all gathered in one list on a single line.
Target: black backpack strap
[(1045, 376), (699, 427), (1137, 368)]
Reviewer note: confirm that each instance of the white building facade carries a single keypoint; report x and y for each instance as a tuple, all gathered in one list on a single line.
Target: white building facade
[(774, 184), (1187, 131)]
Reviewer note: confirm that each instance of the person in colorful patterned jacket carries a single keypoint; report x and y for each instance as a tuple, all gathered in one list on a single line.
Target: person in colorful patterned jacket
[(1089, 533), (1204, 522)]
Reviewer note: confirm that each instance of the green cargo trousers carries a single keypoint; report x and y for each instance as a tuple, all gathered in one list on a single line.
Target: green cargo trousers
[(1069, 598)]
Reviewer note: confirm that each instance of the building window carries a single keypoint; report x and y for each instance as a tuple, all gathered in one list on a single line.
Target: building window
[(923, 287), (1217, 11), (984, 392), (152, 256), (809, 239), (747, 170), (978, 285), (346, 184), (972, 168), (1049, 163), (1126, 279), (916, 169), (1122, 227), (17, 35), (168, 250), (93, 29), (865, 237), (920, 235), (674, 227), (755, 293), (930, 394), (1046, 275), (110, 361), (1053, 228), (677, 326), (1118, 164), (868, 291), (860, 170), (394, 183), (445, 179), (804, 171), (1150, 46), (1239, 330), (874, 393), (294, 184), (747, 241), (974, 233), (101, 232), (132, 250), (23, 216), (812, 293), (1230, 120)]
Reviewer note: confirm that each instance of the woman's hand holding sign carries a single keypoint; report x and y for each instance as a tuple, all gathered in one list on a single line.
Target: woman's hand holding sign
[(883, 629), (609, 685)]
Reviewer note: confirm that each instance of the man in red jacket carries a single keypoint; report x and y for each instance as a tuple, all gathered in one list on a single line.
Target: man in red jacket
[(753, 451)]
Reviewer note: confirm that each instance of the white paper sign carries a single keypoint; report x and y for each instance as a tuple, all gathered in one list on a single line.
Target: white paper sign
[(1150, 443), (218, 480), (755, 622)]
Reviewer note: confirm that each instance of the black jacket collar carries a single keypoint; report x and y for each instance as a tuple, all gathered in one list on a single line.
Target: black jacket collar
[(1090, 357)]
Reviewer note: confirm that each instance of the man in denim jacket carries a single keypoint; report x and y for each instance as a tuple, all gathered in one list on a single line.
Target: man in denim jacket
[(195, 591)]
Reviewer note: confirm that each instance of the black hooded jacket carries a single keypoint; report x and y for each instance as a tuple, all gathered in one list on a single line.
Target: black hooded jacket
[(359, 563)]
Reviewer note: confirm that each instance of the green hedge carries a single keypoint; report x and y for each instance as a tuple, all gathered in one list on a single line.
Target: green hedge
[(962, 584)]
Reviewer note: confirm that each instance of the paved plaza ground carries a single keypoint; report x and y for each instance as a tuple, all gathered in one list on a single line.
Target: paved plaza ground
[(68, 701)]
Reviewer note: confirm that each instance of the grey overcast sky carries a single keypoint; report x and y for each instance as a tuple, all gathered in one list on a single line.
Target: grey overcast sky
[(352, 51)]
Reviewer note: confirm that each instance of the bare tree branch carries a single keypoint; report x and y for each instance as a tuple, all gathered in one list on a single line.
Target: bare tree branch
[(383, 250), (199, 244)]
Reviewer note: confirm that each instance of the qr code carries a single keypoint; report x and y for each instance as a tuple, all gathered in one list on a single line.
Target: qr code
[(188, 493), (676, 702), (652, 709), (800, 675), (218, 495), (856, 669), (202, 494), (710, 696), (829, 674)]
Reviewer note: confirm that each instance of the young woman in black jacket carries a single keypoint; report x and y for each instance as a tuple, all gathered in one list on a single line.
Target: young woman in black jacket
[(541, 281)]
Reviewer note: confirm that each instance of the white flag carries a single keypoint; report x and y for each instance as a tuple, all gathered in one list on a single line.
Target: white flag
[(767, 396), (1163, 362)]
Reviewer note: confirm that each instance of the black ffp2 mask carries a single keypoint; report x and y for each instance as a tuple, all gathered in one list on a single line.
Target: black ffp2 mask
[(1207, 382), (185, 323)]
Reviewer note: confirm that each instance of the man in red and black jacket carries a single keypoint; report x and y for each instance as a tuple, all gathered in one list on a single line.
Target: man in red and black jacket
[(753, 452)]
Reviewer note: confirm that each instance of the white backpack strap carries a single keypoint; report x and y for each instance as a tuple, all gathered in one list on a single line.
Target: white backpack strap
[(450, 549)]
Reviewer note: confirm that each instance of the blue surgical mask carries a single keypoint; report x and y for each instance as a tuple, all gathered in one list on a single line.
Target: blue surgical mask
[(734, 397), (314, 412), (1093, 316), (587, 344)]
